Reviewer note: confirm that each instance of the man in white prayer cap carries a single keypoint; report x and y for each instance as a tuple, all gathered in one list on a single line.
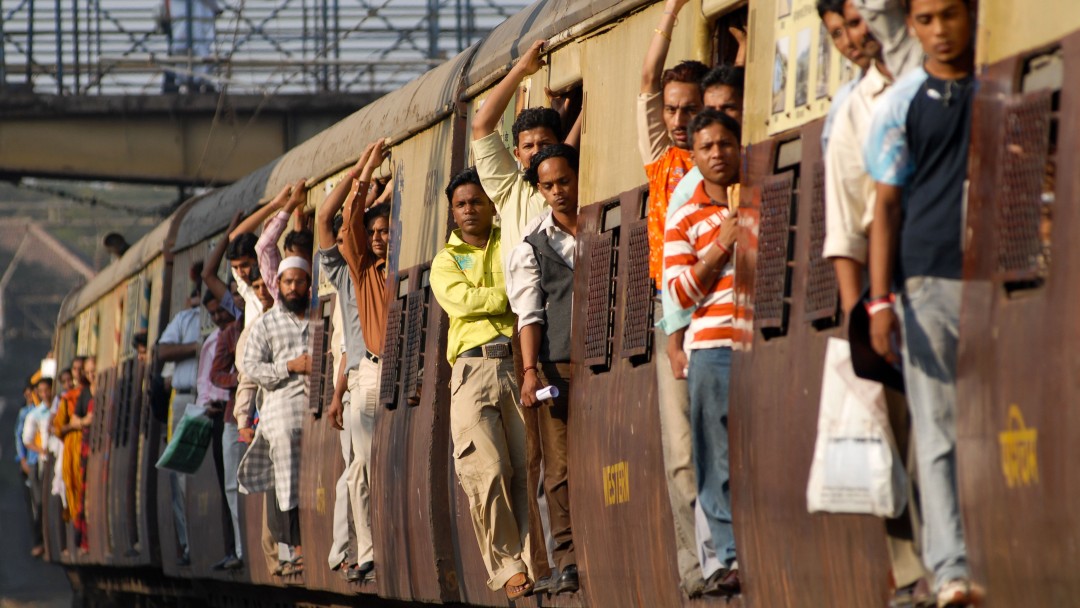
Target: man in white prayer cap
[(276, 357)]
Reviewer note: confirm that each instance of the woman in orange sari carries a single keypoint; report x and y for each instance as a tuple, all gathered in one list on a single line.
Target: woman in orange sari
[(69, 427)]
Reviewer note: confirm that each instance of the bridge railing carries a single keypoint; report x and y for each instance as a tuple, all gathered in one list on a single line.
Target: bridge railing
[(73, 47)]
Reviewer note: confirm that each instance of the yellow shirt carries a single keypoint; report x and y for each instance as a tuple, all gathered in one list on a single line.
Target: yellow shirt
[(469, 284)]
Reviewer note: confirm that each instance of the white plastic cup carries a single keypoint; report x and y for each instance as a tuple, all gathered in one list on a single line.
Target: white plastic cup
[(548, 392)]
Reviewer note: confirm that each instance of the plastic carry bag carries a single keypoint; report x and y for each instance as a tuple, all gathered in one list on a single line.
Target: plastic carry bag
[(190, 440), (856, 466)]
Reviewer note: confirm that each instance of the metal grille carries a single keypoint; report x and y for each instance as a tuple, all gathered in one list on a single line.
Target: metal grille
[(638, 306), (821, 289), (391, 357), (413, 360), (1023, 165), (321, 359), (601, 291), (774, 243)]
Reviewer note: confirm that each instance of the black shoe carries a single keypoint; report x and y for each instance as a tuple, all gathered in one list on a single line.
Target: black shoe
[(234, 563), (221, 565), (545, 584), (567, 581), (352, 574), (365, 569), (723, 583), (184, 560)]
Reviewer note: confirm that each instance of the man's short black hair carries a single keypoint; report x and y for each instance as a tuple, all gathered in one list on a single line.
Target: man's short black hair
[(688, 71), (66, 370), (535, 118), (339, 219), (831, 6), (242, 246), (468, 176), (532, 174), (300, 240), (725, 75), (375, 212), (709, 117), (139, 339), (907, 5), (207, 297), (43, 380)]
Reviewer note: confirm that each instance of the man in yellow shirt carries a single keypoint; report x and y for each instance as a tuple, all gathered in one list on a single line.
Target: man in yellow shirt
[(485, 422)]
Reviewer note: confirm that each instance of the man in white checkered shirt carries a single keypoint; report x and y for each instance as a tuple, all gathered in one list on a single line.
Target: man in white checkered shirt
[(276, 357)]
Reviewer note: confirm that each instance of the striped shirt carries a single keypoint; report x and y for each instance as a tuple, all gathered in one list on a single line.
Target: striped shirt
[(690, 233)]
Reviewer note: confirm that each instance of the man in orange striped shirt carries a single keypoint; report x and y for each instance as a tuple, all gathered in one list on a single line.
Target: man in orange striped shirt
[(699, 245)]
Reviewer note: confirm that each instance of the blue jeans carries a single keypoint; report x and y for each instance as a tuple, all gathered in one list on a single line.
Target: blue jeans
[(710, 381), (930, 315)]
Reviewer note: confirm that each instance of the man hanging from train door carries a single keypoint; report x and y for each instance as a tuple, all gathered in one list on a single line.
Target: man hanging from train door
[(214, 401), (518, 203), (357, 421), (180, 344), (668, 100), (486, 426), (722, 88), (276, 357), (364, 237), (849, 208), (699, 246), (540, 284), (917, 152)]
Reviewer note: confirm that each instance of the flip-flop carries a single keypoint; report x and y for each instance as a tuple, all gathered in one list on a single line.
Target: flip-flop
[(517, 586)]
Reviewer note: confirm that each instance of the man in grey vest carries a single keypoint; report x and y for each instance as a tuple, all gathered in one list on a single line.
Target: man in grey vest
[(540, 284)]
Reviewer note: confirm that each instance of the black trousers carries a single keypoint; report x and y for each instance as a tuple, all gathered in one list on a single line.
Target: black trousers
[(32, 484), (284, 525)]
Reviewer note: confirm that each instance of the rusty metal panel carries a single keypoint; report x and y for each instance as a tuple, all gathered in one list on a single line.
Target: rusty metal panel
[(411, 524), (637, 327), (1017, 363), (391, 357), (822, 292), (775, 392), (616, 459), (774, 245), (1023, 165), (599, 298), (413, 359)]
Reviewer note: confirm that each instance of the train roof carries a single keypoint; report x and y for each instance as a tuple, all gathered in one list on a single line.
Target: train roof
[(210, 213), (150, 246), (544, 19), (397, 115)]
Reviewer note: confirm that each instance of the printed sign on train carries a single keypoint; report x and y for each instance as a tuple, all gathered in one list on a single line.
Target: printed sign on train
[(617, 483)]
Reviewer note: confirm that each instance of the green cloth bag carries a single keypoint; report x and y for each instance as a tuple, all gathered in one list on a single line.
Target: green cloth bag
[(186, 451)]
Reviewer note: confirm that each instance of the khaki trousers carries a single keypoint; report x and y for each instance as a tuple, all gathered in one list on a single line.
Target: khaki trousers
[(363, 394), (488, 431), (552, 416), (674, 398)]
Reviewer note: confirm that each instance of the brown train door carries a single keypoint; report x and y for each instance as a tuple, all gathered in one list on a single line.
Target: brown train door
[(786, 310), (1017, 427)]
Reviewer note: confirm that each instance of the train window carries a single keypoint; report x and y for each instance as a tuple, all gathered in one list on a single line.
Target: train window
[(776, 241), (822, 301), (725, 46), (603, 280), (1028, 174)]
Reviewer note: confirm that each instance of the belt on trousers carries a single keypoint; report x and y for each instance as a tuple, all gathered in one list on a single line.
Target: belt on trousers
[(371, 357), (491, 350)]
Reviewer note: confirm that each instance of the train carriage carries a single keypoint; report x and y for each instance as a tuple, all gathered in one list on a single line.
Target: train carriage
[(1012, 442)]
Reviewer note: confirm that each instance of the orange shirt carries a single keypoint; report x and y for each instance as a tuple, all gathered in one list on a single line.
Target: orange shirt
[(663, 174), (369, 277)]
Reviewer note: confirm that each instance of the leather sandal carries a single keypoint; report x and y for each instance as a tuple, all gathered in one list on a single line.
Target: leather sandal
[(517, 586)]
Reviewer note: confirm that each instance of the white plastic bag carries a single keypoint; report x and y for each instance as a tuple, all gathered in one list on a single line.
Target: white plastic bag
[(856, 466)]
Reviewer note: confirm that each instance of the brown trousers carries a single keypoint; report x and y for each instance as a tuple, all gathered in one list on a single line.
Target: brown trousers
[(551, 423)]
